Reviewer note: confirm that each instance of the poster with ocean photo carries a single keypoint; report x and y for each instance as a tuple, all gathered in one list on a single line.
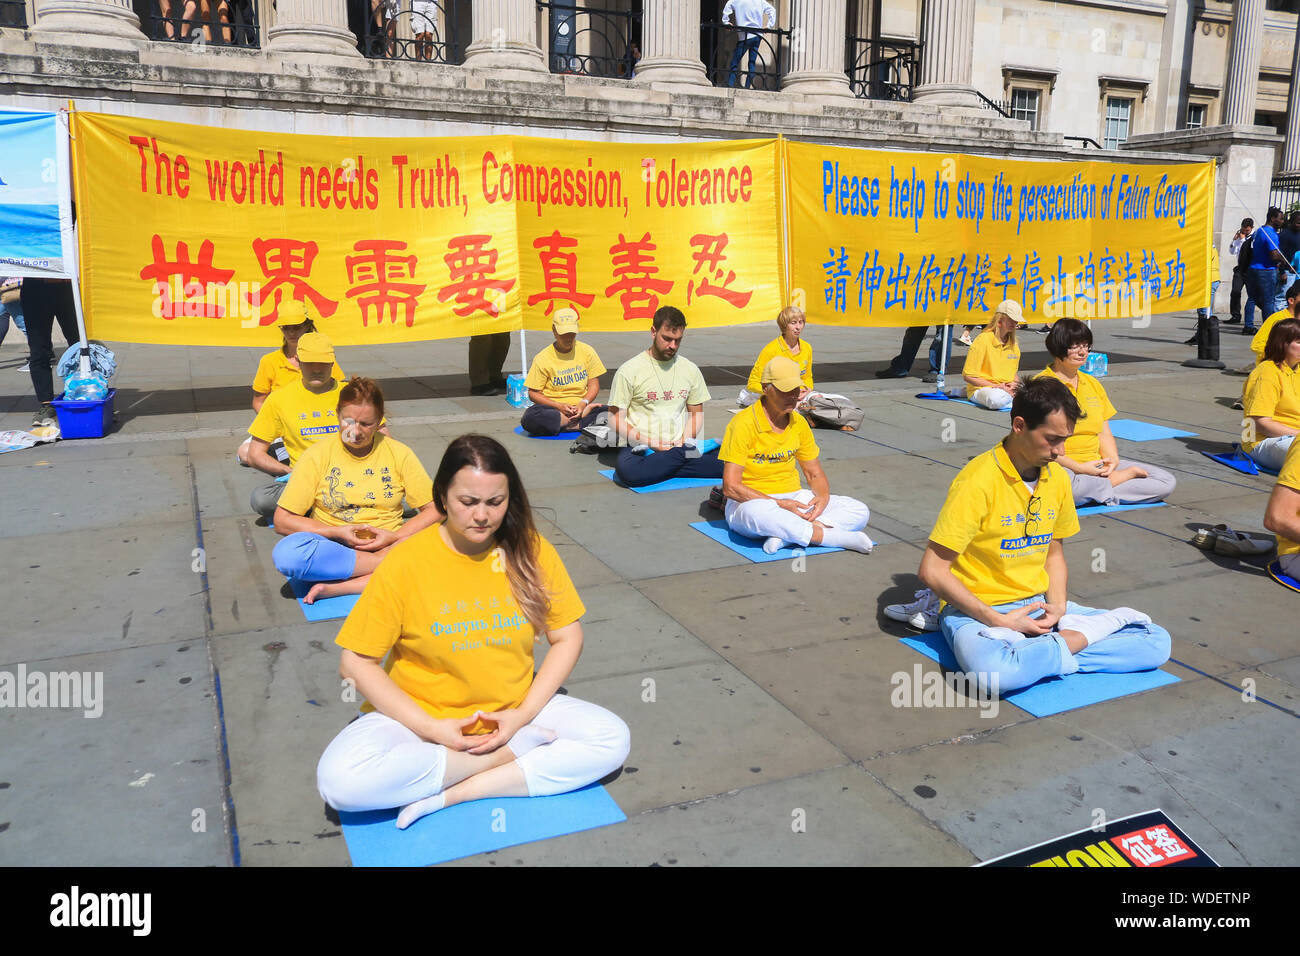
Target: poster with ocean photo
[(35, 203)]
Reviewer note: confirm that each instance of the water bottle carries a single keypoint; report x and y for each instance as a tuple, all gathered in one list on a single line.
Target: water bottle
[(516, 392), (85, 388)]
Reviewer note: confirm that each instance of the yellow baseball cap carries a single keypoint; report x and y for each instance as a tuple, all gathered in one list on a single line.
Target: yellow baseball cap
[(1011, 309), (314, 347), (292, 312), (565, 320), (783, 374)]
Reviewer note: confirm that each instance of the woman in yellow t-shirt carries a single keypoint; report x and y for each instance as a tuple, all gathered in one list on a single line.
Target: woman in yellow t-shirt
[(761, 481), (455, 711), (994, 359), (279, 368), (341, 510), (1271, 399), (1099, 475), (790, 321)]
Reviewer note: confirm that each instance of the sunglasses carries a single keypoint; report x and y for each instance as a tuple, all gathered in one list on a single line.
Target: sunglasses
[(1033, 516)]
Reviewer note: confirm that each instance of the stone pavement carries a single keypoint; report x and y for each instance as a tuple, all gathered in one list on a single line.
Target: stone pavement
[(771, 685)]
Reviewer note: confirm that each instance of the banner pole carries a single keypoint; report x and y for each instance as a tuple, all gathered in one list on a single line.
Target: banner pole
[(74, 273), (523, 355)]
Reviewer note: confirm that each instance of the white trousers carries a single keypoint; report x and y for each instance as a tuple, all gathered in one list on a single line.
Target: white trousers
[(376, 763), (764, 518), (990, 397)]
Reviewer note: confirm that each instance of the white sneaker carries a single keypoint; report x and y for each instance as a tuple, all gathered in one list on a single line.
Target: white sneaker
[(922, 614), (965, 338)]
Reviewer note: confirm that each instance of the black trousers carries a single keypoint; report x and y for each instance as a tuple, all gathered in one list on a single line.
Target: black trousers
[(44, 301), (487, 354)]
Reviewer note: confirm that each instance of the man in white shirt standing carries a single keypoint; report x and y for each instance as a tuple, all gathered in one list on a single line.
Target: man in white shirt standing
[(747, 13), (656, 407)]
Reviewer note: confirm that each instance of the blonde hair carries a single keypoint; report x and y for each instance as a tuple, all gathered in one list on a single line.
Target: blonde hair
[(993, 327), (787, 315)]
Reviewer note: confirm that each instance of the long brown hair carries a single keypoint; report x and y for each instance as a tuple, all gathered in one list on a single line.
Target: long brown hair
[(1279, 337), (517, 537)]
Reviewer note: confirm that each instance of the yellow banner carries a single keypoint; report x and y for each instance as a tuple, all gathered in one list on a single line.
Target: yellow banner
[(890, 239), (193, 235)]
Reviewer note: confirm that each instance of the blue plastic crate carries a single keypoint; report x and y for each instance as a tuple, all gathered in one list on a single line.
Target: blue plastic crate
[(85, 419)]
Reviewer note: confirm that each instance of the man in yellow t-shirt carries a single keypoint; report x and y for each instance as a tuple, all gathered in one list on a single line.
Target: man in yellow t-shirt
[(298, 415), (760, 478), (1282, 516), (656, 406), (563, 381), (995, 557)]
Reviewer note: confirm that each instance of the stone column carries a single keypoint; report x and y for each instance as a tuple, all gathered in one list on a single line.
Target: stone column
[(99, 23), (670, 31), (1291, 152), (505, 36), (311, 26), (817, 49), (1243, 63), (948, 35)]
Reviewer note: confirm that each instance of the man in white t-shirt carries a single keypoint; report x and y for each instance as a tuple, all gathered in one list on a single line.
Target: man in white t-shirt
[(747, 13), (656, 407)]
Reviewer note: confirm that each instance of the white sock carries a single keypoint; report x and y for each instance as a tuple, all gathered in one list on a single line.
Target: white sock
[(773, 545), (1010, 635), (1096, 627), (851, 540), (420, 808), (527, 737)]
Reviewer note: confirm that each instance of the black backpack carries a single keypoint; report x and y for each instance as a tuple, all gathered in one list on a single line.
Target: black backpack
[(1244, 253)]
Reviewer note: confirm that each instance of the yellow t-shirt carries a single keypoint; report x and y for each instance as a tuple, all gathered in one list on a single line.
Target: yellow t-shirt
[(768, 456), (1261, 337), (564, 377), (339, 488), (655, 394), (1271, 392), (1290, 477), (1001, 542), (276, 371), (298, 417), (778, 347), (455, 639), (990, 359), (1084, 445)]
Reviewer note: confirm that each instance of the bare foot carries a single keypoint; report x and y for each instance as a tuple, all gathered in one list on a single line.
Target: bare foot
[(321, 590)]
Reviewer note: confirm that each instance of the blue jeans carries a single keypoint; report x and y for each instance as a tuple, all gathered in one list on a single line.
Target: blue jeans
[(1261, 284), (307, 556), (1138, 647), (751, 45), (1205, 312)]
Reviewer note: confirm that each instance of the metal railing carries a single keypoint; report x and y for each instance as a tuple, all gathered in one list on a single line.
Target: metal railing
[(13, 13), (588, 41), (1284, 192), (882, 69), (999, 106), (723, 48), (1085, 140), (224, 23), (423, 30)]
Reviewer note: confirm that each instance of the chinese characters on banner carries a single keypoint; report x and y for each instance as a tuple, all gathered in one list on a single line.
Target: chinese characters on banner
[(198, 236)]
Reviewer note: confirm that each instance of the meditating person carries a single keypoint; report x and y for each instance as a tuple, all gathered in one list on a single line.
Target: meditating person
[(1099, 475), (280, 368), (995, 558), (761, 483), (441, 646), (1282, 515), (1260, 338), (1271, 400), (341, 510), (656, 408), (790, 321), (298, 414), (994, 359), (563, 381)]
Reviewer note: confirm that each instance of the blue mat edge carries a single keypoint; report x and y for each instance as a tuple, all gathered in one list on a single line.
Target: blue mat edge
[(300, 589), (669, 485), (785, 554), (1275, 572), (1109, 509), (1173, 432), (562, 436)]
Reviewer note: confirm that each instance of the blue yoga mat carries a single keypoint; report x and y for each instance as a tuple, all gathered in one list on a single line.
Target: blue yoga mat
[(702, 445), (323, 609), (1275, 572), (475, 827), (672, 484), (941, 397), (751, 548), (1131, 430), (1056, 694), (562, 436), (1107, 509), (1238, 460)]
